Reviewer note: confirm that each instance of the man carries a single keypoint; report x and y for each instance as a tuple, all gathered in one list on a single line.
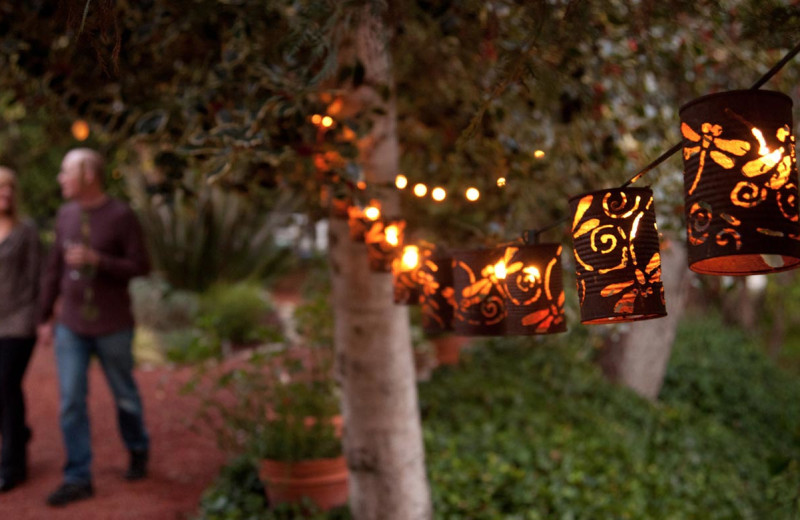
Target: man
[(98, 248)]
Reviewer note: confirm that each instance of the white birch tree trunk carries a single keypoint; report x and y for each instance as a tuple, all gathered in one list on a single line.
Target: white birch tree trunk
[(383, 434)]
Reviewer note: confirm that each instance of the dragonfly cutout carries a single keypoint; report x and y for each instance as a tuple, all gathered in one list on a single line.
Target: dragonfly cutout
[(710, 137), (640, 287), (768, 159)]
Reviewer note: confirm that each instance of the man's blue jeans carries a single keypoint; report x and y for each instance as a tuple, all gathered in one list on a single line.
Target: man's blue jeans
[(73, 352)]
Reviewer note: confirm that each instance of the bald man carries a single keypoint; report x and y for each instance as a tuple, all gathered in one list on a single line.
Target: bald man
[(98, 249)]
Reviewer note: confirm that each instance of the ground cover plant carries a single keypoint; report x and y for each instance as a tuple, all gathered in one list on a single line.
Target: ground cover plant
[(528, 428)]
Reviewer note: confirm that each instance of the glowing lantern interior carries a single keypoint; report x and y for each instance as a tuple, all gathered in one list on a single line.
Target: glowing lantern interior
[(532, 273), (392, 235), (500, 270), (410, 258), (372, 213)]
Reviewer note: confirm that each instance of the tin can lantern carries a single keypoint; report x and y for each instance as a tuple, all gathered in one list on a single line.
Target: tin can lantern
[(740, 183), (617, 256), (384, 243), (361, 220)]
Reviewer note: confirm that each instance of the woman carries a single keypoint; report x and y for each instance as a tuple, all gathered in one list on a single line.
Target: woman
[(19, 282)]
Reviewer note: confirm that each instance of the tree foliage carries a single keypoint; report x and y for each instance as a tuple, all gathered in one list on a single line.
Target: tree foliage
[(230, 85)]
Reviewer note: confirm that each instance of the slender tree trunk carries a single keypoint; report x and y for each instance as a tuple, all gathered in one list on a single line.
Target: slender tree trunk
[(383, 433), (639, 360)]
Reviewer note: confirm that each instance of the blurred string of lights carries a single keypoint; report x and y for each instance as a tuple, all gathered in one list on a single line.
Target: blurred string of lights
[(401, 181)]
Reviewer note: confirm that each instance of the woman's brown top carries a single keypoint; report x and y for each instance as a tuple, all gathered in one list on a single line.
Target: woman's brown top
[(20, 260)]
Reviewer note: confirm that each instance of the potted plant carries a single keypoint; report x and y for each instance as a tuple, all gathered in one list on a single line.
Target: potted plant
[(299, 445), (282, 407)]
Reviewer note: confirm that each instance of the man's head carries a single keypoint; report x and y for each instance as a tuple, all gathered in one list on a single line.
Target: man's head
[(81, 174), (8, 192)]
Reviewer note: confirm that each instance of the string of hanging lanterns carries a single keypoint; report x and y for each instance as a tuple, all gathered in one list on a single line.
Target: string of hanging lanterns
[(740, 188)]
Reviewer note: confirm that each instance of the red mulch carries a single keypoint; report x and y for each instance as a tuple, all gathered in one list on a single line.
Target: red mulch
[(182, 463)]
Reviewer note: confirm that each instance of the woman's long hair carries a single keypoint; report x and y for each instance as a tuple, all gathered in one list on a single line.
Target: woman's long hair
[(7, 176)]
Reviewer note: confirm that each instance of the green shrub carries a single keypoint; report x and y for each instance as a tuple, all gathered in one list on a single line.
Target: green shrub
[(191, 345), (237, 313)]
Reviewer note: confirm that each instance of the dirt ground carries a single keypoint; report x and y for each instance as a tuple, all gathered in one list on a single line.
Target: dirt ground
[(183, 463)]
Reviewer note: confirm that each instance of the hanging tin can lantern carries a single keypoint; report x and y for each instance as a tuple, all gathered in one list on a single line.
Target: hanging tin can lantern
[(384, 243), (437, 298), (618, 262), (405, 279), (534, 289), (480, 305), (740, 183), (361, 220)]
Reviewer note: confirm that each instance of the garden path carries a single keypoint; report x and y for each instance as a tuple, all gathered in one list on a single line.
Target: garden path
[(183, 463)]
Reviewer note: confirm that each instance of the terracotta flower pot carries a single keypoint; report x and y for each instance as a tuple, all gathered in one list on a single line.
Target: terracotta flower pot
[(448, 348), (323, 481)]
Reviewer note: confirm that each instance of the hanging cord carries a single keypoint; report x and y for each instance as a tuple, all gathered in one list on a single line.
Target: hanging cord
[(677, 146), (531, 236)]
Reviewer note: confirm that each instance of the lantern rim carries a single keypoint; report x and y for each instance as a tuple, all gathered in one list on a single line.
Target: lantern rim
[(758, 92), (628, 189), (698, 265), (623, 318)]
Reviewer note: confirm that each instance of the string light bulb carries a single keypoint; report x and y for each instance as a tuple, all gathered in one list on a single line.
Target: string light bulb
[(472, 194), (420, 190), (316, 119), (327, 121), (538, 154), (501, 182), (80, 130), (401, 181), (438, 194)]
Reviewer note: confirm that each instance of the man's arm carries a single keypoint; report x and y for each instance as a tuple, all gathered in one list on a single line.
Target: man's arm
[(135, 260)]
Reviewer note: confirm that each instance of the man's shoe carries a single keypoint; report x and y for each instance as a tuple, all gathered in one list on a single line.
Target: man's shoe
[(69, 492), (9, 483), (137, 469)]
